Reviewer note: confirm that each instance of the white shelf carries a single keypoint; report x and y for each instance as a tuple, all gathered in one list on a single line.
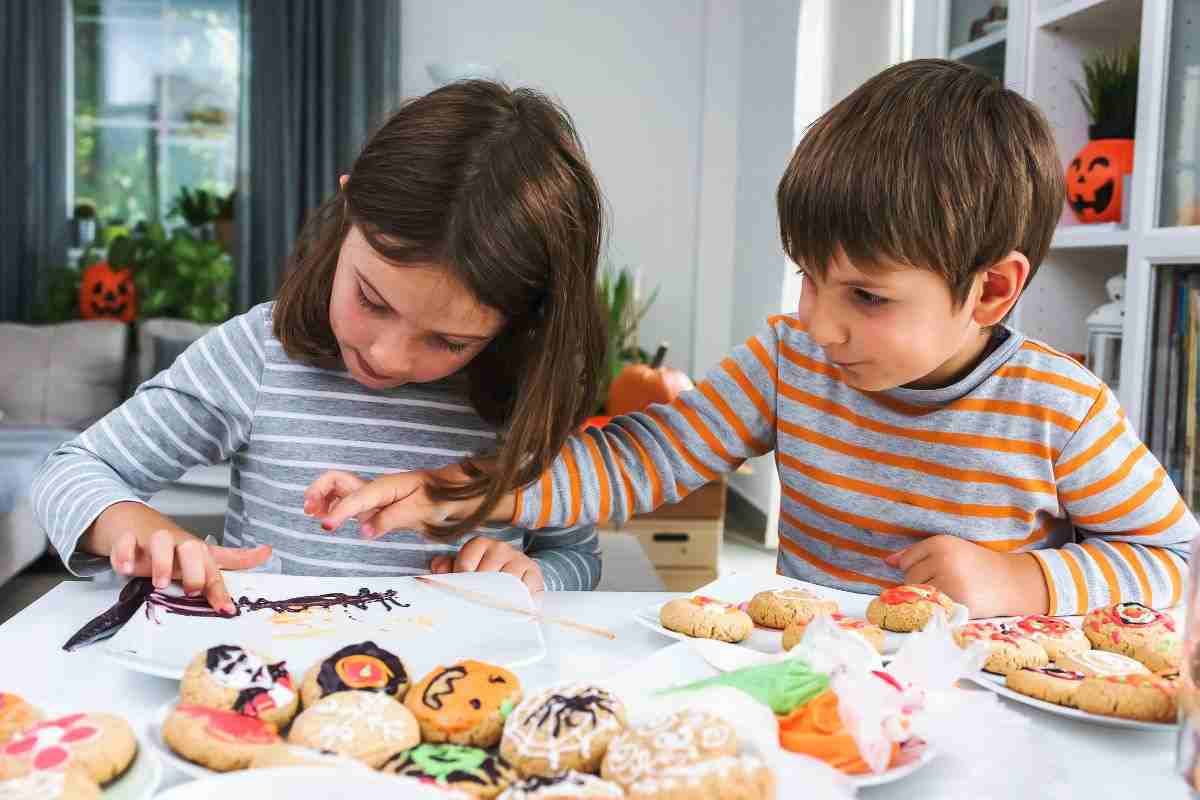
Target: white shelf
[(1069, 237), (978, 46), (1095, 15)]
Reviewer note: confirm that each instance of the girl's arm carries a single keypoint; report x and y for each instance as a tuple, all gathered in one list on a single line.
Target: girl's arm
[(569, 558)]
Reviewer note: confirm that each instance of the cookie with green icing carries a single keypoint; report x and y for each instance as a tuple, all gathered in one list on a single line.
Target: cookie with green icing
[(451, 766)]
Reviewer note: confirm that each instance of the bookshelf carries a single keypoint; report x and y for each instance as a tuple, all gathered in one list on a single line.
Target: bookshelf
[(1157, 243)]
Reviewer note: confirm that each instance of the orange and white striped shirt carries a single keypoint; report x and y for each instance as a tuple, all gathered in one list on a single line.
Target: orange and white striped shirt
[(1028, 453)]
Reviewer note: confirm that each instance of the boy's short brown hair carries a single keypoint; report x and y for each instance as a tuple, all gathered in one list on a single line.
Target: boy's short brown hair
[(931, 164)]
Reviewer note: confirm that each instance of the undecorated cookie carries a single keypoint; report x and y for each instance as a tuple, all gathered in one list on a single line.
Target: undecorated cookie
[(742, 777), (679, 739), (1051, 684), (873, 634), (464, 703), (236, 679), (706, 618), (471, 770), (562, 728), (1008, 649), (100, 745), (564, 786), (908, 608), (217, 738), (1138, 631), (58, 785), (1141, 697), (362, 667), (1101, 663), (15, 715), (779, 608), (1055, 635), (363, 725)]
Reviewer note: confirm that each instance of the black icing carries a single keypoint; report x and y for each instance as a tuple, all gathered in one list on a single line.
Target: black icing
[(330, 682)]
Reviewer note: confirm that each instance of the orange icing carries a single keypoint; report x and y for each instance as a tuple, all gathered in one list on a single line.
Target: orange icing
[(989, 630), (1040, 623), (911, 594), (363, 672), (460, 697), (815, 729)]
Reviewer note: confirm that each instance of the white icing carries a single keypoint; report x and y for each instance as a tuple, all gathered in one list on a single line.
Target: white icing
[(351, 715), (240, 669), (529, 741), (36, 786), (693, 774), (1102, 662), (667, 741)]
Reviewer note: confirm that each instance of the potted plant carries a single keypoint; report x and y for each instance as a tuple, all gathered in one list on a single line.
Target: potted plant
[(178, 275), (617, 293), (198, 208), (1094, 177)]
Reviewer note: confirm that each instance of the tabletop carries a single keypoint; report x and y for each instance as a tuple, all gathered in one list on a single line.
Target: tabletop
[(1068, 758)]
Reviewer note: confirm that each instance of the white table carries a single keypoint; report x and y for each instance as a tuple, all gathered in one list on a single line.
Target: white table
[(1093, 762)]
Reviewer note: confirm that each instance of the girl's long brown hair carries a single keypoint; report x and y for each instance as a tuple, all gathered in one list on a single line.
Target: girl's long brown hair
[(493, 184)]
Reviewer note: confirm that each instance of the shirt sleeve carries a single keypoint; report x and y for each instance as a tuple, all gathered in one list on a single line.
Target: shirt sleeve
[(569, 557), (197, 412), (1133, 530), (638, 462)]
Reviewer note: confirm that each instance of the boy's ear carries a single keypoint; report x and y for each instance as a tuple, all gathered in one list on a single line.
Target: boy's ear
[(1002, 286)]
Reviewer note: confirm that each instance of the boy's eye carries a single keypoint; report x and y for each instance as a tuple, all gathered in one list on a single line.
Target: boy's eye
[(366, 303), (868, 299)]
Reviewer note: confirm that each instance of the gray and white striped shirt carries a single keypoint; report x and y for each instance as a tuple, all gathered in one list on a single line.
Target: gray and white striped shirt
[(236, 395)]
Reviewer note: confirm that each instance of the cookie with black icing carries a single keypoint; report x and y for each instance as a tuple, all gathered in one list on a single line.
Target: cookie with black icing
[(362, 667), (464, 703), (471, 770), (236, 679), (562, 728), (1137, 631)]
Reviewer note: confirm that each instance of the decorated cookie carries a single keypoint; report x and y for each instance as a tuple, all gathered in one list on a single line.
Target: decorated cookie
[(743, 777), (706, 618), (564, 786), (15, 715), (1100, 663), (1008, 648), (782, 607), (363, 725), (873, 634), (908, 608), (816, 729), (57, 785), (236, 679), (465, 703), (471, 770), (1138, 631), (1051, 684), (1142, 697), (357, 667), (680, 739), (294, 755), (217, 738), (1054, 635), (562, 728), (102, 746)]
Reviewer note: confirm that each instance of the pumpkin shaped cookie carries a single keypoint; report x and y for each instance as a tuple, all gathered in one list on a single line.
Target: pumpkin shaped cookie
[(464, 703)]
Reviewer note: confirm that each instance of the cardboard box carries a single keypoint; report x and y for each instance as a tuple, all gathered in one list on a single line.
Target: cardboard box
[(694, 543)]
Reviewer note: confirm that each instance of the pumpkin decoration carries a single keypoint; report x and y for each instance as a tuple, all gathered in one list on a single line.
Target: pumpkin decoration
[(105, 293), (639, 386), (1094, 179)]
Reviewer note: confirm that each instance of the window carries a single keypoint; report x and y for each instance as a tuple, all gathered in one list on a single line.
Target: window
[(155, 107)]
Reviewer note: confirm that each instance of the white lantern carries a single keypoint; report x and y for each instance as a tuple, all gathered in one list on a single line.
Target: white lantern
[(1104, 334)]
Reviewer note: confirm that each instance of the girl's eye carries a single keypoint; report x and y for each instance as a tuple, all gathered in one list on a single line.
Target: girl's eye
[(446, 344), (867, 299), (366, 303)]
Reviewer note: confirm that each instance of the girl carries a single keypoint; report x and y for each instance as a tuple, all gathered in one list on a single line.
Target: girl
[(440, 306)]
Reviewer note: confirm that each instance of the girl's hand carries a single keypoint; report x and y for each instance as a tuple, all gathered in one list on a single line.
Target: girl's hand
[(482, 554), (393, 502), (166, 554)]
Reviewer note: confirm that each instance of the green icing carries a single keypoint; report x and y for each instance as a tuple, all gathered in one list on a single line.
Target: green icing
[(506, 708), (440, 761), (782, 686)]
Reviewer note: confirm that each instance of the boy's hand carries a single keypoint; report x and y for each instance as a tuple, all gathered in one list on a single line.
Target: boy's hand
[(393, 502), (488, 555), (990, 584), (174, 554)]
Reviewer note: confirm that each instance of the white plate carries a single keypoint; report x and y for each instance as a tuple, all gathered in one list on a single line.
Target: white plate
[(438, 627), (301, 783), (995, 683), (739, 589)]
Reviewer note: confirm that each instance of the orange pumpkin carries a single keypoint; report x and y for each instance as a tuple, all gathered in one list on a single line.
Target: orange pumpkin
[(639, 386), (1094, 179), (460, 697), (105, 293)]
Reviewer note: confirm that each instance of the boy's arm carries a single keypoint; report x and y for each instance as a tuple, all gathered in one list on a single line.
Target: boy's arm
[(1135, 531), (569, 558)]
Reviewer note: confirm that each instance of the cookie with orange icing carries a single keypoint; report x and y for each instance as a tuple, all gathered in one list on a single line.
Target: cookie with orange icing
[(793, 633), (15, 715), (1056, 636), (816, 729), (1141, 697), (706, 618), (361, 667), (778, 608), (101, 746), (908, 608), (1137, 631), (1009, 649), (465, 703), (216, 738)]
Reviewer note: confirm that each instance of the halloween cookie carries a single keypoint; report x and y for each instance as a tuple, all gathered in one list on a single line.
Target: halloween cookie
[(1138, 631), (100, 745), (908, 608), (217, 738), (363, 725), (471, 770), (294, 755), (1143, 697), (1055, 635), (782, 607), (706, 618), (679, 739), (1101, 663), (793, 633), (362, 667), (743, 777), (562, 728), (564, 786), (1008, 649), (1051, 684), (62, 785), (465, 703), (15, 714), (236, 679)]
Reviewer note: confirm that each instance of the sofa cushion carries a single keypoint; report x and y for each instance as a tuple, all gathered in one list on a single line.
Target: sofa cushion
[(166, 350), (68, 375), (179, 330), (23, 448)]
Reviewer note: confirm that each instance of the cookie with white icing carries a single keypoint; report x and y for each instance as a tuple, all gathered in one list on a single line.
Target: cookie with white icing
[(680, 739), (1056, 636), (1137, 631), (470, 770), (464, 703), (63, 785), (217, 738), (1008, 648), (779, 608), (102, 746), (565, 786), (562, 728), (1051, 684), (872, 634), (363, 667), (15, 715), (706, 618), (743, 777), (1101, 663), (1141, 697), (237, 679), (363, 725), (908, 608)]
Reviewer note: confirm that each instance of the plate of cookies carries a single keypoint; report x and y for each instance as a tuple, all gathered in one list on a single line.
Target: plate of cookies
[(75, 755), (771, 616), (1119, 667)]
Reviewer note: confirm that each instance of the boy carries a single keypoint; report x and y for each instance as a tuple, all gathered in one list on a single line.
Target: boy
[(918, 439)]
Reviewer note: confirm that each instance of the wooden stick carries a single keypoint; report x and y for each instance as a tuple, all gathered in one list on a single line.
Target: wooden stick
[(492, 602)]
